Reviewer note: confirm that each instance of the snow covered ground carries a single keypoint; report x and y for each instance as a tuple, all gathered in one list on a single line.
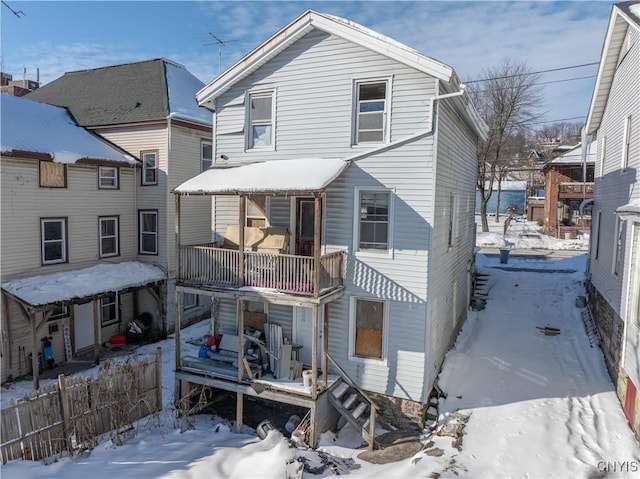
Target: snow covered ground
[(527, 404)]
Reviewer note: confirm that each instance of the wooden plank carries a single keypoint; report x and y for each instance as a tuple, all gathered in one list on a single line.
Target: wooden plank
[(284, 364)]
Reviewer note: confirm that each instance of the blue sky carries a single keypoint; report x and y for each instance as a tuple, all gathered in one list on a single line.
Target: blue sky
[(57, 37)]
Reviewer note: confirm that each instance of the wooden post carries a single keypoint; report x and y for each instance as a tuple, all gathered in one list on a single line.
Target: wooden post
[(239, 406), (159, 379), (96, 332), (34, 354), (240, 313), (325, 347), (7, 331), (317, 237), (314, 353), (66, 411), (242, 208), (372, 427)]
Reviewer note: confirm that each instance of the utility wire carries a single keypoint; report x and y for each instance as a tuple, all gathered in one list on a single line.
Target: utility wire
[(539, 83), (534, 73)]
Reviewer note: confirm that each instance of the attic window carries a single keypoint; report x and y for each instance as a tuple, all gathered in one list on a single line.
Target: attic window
[(53, 175)]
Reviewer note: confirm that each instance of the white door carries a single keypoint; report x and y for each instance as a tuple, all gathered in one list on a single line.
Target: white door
[(83, 326), (303, 333)]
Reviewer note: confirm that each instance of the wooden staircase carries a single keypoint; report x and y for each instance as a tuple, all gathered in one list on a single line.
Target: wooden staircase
[(354, 405)]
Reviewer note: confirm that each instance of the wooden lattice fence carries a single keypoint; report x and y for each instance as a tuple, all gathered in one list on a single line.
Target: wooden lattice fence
[(71, 414)]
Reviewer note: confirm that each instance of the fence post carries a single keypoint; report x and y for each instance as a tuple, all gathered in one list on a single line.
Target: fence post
[(159, 378), (66, 413)]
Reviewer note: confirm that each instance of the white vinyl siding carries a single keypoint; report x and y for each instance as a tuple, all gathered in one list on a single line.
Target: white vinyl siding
[(107, 177)]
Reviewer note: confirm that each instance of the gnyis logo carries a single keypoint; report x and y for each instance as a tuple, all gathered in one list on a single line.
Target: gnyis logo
[(619, 466)]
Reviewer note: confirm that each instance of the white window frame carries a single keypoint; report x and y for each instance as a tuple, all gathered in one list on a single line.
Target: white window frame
[(626, 144), (248, 216), (452, 221), (603, 152), (110, 301), (191, 303), (141, 232), (618, 240), (352, 330), (62, 240), (204, 161), (386, 121), (358, 190), (62, 312), (146, 167), (598, 227), (250, 122), (108, 181), (115, 236)]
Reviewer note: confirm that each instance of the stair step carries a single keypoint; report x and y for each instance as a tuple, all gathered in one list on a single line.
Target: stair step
[(359, 409), (340, 390), (350, 401)]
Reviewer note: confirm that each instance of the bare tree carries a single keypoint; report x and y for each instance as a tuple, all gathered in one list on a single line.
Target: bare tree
[(508, 101)]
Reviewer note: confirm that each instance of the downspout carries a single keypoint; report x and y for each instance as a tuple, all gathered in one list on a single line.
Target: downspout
[(434, 132)]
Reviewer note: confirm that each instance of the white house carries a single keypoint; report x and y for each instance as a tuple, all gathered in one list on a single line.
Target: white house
[(70, 271), (614, 257), (350, 159)]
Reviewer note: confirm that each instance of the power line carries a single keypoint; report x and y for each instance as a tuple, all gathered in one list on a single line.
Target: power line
[(558, 121), (534, 73), (540, 83)]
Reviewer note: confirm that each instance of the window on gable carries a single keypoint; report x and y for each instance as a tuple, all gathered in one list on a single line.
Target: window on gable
[(148, 227), (52, 175), (54, 240), (260, 116), (626, 143), (109, 309), (149, 167), (373, 220), (107, 177), (371, 112), (206, 155), (109, 236), (368, 331)]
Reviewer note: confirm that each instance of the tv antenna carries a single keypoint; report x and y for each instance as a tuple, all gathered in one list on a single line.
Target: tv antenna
[(17, 13), (221, 43)]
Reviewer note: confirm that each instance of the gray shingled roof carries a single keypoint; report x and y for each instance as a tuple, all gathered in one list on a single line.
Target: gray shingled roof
[(117, 94)]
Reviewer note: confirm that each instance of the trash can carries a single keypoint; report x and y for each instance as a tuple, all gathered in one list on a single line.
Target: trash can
[(504, 255), (263, 428)]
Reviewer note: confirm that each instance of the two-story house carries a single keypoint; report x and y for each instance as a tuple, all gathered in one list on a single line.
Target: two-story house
[(70, 272), (349, 160), (149, 109), (614, 256), (568, 182)]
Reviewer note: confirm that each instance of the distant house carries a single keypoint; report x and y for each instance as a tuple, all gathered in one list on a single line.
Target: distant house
[(513, 197), (67, 201), (344, 180), (568, 182), (149, 109), (614, 256)]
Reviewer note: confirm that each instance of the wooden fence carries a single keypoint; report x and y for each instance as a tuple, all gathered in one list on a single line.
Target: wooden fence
[(71, 414)]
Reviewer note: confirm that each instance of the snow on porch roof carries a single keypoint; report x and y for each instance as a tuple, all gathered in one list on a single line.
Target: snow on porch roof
[(83, 283), (270, 177)]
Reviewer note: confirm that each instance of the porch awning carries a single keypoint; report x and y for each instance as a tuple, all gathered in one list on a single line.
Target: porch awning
[(75, 285), (298, 176)]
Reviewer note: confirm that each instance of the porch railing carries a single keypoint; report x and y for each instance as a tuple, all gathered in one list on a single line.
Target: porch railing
[(575, 188), (207, 264)]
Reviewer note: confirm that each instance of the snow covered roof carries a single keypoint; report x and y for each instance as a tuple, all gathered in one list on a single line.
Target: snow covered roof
[(29, 126), (631, 209), (305, 175), (150, 90), (83, 283), (624, 15), (575, 154)]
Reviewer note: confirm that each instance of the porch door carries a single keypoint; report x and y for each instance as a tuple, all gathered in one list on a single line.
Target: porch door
[(303, 333), (305, 221), (83, 326)]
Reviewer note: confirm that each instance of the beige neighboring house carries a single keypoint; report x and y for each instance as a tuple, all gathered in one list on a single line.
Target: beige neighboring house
[(614, 258), (70, 269), (149, 109)]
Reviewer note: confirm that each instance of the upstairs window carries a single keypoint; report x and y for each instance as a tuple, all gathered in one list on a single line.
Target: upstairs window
[(260, 117), (371, 112), (626, 143), (373, 220), (52, 175), (149, 167), (148, 226), (603, 152), (107, 178), (109, 236), (206, 155), (54, 240)]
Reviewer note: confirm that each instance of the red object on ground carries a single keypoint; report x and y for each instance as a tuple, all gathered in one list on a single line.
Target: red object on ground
[(214, 340), (118, 339)]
